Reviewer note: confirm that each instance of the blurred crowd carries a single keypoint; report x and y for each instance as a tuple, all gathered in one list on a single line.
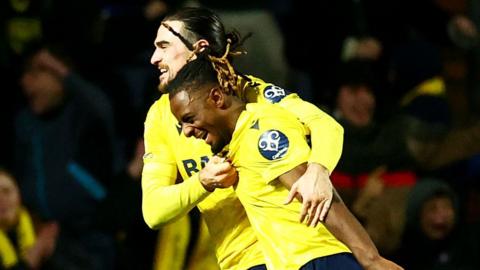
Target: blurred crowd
[(402, 77)]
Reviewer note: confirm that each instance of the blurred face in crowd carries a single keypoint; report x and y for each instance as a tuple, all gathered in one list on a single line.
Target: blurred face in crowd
[(9, 201), (437, 217), (170, 53), (43, 89), (201, 116), (356, 104)]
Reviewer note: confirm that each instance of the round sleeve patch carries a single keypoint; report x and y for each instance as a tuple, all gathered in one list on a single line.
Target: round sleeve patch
[(274, 93), (273, 144)]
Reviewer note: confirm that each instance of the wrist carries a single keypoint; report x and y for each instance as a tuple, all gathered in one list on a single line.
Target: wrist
[(198, 191), (317, 167), (206, 182), (368, 259)]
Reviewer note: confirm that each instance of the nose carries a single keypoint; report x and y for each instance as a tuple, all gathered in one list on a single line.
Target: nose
[(156, 57), (188, 130)]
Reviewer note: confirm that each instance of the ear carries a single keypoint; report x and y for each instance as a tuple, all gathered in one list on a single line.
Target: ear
[(201, 44), (217, 97)]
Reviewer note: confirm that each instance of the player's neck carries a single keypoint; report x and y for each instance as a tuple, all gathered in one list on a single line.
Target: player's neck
[(234, 113)]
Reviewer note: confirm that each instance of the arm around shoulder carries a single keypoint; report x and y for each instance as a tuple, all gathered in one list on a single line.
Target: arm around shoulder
[(162, 199), (162, 203)]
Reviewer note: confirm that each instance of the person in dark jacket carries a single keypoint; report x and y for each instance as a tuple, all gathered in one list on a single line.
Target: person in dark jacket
[(433, 238), (63, 158)]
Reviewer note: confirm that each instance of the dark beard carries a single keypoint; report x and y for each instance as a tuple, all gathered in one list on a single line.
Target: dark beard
[(162, 87), (222, 143), (218, 147)]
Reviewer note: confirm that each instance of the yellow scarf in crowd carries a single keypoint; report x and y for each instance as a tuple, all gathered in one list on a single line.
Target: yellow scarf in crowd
[(26, 239), (431, 87)]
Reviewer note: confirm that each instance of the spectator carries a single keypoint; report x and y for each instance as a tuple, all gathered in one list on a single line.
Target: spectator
[(433, 238), (20, 246), (63, 159)]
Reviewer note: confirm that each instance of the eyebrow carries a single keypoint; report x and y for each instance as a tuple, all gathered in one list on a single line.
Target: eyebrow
[(160, 43)]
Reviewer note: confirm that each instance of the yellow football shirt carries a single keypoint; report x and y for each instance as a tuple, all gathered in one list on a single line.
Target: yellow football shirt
[(230, 231), (268, 141), (168, 151), (326, 133)]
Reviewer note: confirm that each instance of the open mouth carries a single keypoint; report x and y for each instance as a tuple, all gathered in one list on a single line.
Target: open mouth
[(162, 68), (203, 136), (163, 71), (207, 139)]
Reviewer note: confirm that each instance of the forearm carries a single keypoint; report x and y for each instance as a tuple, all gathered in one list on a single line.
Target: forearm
[(326, 134), (164, 203), (326, 137), (346, 228)]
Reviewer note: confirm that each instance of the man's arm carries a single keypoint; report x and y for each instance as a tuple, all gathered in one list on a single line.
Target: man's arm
[(315, 190), (162, 200), (163, 203), (345, 227), (326, 136)]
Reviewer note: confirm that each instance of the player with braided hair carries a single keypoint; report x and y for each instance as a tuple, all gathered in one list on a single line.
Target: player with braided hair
[(180, 37), (268, 147)]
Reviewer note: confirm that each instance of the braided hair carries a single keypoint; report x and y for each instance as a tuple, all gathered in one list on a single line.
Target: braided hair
[(205, 70)]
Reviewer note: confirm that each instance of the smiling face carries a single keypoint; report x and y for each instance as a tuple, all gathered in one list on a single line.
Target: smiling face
[(170, 53), (201, 116), (357, 104)]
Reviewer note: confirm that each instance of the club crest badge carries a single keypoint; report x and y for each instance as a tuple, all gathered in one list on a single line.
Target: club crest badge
[(273, 144)]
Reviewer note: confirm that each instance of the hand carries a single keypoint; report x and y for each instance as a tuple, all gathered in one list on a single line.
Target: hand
[(316, 191), (44, 245), (218, 173), (373, 188), (383, 264), (465, 26), (135, 166), (47, 60)]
